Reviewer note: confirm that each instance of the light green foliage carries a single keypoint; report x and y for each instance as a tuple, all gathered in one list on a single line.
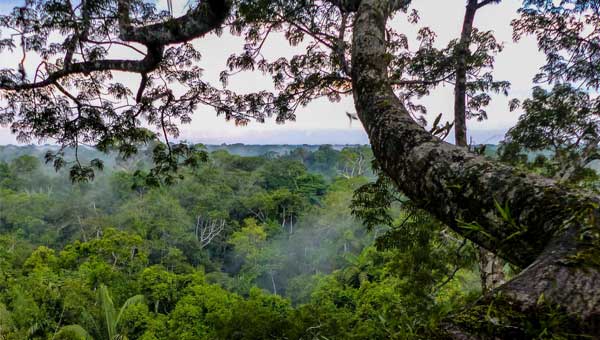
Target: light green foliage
[(249, 240), (163, 224), (114, 247), (24, 212)]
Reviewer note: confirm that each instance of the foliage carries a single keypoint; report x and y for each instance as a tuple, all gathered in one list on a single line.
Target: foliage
[(562, 121), (119, 262), (567, 32), (284, 225)]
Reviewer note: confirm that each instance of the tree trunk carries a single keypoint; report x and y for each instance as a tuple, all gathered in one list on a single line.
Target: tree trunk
[(460, 89), (491, 270), (273, 281), (551, 231), (490, 265)]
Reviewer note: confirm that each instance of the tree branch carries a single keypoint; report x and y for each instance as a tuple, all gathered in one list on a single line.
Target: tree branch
[(149, 63), (534, 222), (487, 2), (462, 189), (208, 15)]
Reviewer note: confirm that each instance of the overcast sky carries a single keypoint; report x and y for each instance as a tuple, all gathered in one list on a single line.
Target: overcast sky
[(325, 122)]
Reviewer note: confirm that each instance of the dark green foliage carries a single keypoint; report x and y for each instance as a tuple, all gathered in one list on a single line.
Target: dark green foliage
[(564, 123), (73, 98), (74, 95), (429, 250), (372, 203), (416, 67), (564, 120), (567, 32)]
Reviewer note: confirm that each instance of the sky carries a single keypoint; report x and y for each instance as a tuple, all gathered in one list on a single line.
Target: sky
[(322, 122)]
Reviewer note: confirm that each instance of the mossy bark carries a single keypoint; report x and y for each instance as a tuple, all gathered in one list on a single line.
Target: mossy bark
[(550, 230), (491, 270)]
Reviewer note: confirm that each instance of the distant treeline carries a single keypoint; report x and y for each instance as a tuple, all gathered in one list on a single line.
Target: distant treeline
[(11, 151)]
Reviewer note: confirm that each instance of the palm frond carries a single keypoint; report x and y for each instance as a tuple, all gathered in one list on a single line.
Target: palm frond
[(131, 301), (109, 311), (33, 329), (75, 330)]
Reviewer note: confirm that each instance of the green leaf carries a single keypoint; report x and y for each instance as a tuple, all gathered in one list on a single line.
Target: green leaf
[(75, 330)]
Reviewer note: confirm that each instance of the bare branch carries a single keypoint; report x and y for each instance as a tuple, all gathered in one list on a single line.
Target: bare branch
[(487, 2), (207, 230)]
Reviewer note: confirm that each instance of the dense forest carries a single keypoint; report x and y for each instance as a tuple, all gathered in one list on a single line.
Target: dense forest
[(119, 229), (241, 248), (306, 243)]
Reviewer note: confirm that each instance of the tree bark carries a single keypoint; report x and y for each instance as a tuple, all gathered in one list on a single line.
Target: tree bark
[(551, 231), (491, 270), (490, 265)]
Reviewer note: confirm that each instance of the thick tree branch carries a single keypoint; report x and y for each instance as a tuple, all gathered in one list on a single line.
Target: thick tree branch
[(527, 219), (459, 187), (208, 15), (462, 189)]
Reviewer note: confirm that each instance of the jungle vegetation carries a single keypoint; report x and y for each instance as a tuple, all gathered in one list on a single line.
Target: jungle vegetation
[(239, 248), (427, 204)]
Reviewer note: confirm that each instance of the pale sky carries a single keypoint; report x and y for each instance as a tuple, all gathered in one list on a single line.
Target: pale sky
[(325, 122)]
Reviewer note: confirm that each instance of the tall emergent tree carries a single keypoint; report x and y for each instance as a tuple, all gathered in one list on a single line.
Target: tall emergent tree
[(550, 231), (490, 266)]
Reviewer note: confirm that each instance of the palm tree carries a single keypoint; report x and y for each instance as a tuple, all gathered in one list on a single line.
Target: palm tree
[(111, 315)]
